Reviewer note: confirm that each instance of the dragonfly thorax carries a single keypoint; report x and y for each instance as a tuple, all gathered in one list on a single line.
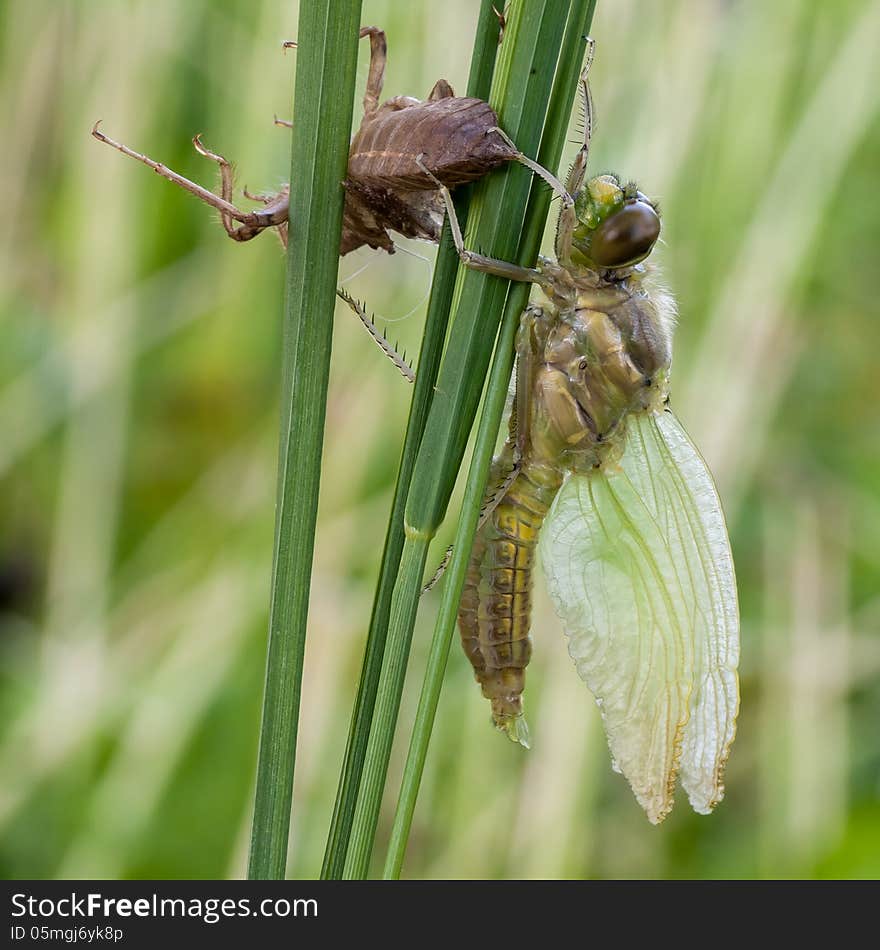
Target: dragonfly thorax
[(606, 356)]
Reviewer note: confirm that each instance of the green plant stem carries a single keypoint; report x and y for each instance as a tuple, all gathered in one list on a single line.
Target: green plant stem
[(323, 106), (401, 623), (436, 322), (552, 144), (520, 92), (493, 409)]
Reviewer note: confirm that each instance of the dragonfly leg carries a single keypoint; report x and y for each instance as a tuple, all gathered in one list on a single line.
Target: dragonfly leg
[(579, 167), (432, 582), (577, 173), (379, 338), (376, 75), (251, 222), (226, 180), (502, 20), (277, 207), (536, 169), (489, 506), (281, 228), (222, 204), (488, 265), (281, 231), (263, 199), (530, 341), (378, 59)]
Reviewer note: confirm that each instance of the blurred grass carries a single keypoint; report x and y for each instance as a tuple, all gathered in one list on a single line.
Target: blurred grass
[(138, 414)]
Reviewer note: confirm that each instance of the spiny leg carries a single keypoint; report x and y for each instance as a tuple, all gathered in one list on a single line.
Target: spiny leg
[(379, 338), (575, 181), (488, 265), (578, 170), (489, 505)]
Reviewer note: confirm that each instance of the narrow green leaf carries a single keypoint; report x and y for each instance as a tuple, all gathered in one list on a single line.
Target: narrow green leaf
[(482, 62), (323, 106)]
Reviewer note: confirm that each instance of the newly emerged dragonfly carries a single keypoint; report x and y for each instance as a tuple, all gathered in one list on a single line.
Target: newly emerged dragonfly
[(600, 473)]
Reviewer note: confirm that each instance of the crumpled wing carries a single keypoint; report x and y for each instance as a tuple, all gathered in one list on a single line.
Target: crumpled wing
[(639, 568)]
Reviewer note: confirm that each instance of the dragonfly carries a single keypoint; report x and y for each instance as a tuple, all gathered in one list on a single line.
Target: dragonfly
[(600, 477)]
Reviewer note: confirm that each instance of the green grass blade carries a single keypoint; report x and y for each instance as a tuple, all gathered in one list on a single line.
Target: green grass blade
[(552, 144), (436, 322), (323, 106), (520, 93)]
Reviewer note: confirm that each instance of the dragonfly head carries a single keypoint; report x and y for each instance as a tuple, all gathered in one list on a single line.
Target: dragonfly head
[(617, 226)]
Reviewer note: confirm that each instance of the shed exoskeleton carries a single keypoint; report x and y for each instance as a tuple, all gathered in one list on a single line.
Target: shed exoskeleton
[(387, 187)]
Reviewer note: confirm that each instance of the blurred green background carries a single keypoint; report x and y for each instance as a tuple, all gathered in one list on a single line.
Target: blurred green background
[(139, 370)]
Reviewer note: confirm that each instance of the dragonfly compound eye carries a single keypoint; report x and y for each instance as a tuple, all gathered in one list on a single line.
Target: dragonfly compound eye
[(626, 237)]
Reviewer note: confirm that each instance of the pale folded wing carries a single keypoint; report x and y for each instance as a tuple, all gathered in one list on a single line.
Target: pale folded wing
[(639, 568)]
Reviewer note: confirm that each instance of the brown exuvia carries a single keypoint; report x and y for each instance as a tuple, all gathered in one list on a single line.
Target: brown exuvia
[(455, 138), (402, 149)]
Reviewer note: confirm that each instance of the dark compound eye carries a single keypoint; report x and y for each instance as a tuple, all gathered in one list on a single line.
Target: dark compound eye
[(626, 237)]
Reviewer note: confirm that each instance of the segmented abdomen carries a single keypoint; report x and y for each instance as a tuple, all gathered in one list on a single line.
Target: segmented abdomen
[(495, 611), (450, 134)]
